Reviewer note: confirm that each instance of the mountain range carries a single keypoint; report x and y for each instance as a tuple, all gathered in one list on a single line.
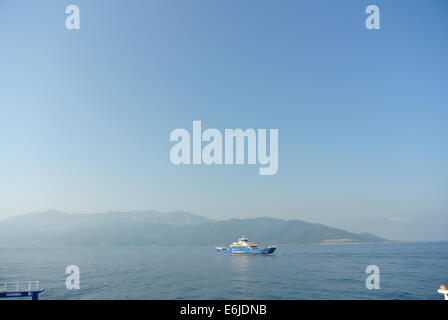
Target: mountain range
[(142, 228)]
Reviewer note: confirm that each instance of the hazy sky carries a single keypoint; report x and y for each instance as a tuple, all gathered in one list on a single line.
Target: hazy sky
[(85, 116)]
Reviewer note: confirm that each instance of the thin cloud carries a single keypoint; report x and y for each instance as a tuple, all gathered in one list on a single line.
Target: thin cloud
[(399, 219)]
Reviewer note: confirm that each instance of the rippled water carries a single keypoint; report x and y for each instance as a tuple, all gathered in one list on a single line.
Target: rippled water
[(408, 271)]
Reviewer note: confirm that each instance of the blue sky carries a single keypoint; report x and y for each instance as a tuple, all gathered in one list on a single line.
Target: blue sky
[(85, 116)]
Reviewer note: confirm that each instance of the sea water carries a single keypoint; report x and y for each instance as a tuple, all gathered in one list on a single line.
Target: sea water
[(330, 271)]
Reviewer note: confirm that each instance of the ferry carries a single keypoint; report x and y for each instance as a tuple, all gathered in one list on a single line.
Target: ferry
[(243, 246)]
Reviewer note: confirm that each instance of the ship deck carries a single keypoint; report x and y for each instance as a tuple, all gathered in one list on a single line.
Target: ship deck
[(20, 290)]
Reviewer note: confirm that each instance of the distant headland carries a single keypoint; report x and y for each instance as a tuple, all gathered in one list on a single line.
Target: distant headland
[(143, 228)]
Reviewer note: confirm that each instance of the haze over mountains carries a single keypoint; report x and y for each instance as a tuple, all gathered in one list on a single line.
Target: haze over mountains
[(142, 228)]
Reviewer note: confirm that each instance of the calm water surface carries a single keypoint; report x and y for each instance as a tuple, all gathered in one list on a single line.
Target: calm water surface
[(408, 271)]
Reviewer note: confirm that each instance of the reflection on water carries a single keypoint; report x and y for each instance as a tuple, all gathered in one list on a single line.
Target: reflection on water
[(240, 266)]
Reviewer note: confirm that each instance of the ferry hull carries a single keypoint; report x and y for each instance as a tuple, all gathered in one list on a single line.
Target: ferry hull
[(245, 251)]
